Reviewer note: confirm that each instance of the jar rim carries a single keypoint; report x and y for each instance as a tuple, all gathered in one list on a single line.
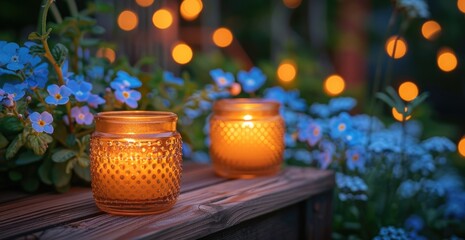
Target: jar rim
[(137, 116), (251, 104)]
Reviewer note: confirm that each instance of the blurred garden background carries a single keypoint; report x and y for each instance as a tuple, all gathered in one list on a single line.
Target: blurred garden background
[(322, 48)]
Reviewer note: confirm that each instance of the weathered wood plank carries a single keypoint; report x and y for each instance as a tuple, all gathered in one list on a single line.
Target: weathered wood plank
[(9, 195), (41, 211), (206, 210)]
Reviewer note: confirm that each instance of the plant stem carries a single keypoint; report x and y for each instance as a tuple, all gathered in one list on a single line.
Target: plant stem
[(56, 14), (72, 7)]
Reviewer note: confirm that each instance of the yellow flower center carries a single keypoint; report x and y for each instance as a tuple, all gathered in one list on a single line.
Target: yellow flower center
[(341, 127), (316, 131), (125, 94), (355, 157), (41, 122), (81, 116), (222, 80), (58, 96)]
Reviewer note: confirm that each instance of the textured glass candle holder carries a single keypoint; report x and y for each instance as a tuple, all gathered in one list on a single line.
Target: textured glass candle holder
[(136, 162), (247, 138)]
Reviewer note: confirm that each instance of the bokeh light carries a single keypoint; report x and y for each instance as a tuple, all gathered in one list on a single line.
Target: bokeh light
[(292, 3), (447, 61), (222, 37), (398, 116), (461, 5), (334, 85), (162, 19), (408, 91), (182, 53), (461, 146), (107, 53), (430, 29), (235, 89), (127, 20), (401, 47), (190, 9), (286, 71), (144, 3)]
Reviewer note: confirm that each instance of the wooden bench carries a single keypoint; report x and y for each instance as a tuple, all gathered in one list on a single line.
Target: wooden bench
[(296, 204)]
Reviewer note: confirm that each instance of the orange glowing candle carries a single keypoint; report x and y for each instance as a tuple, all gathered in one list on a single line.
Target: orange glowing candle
[(135, 162), (247, 138)]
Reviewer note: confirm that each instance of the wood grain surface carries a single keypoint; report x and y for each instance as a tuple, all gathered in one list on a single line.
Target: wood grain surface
[(206, 205)]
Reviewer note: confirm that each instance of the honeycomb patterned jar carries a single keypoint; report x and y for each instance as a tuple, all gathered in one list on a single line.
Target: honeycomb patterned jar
[(136, 162), (247, 138)]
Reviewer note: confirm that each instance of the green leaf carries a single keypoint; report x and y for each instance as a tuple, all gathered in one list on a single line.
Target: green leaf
[(417, 101), (27, 157), (84, 160), (85, 140), (37, 50), (44, 171), (399, 104), (59, 176), (89, 42), (15, 176), (14, 147), (82, 172), (30, 184), (71, 140), (98, 30), (386, 99), (63, 155), (10, 125), (60, 53), (3, 141), (46, 138), (38, 143), (70, 166), (34, 36)]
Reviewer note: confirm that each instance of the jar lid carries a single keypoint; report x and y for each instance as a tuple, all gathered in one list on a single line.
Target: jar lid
[(241, 106), (135, 122)]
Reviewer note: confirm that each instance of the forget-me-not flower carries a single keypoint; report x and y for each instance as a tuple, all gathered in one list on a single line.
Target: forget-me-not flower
[(38, 76), (340, 125), (17, 91), (80, 89), (82, 115), (130, 97), (251, 81), (126, 80), (14, 57), (58, 95), (41, 122), (355, 158), (221, 78), (168, 77), (94, 100), (341, 104)]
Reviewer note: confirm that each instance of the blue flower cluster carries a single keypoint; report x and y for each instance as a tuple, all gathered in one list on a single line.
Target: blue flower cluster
[(391, 233), (351, 188), (250, 81)]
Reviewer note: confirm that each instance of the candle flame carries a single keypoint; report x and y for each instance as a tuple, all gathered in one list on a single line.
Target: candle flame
[(247, 117)]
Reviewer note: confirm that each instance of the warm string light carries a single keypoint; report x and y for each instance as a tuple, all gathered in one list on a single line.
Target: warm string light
[(106, 53), (127, 20), (190, 9), (144, 3), (461, 146), (446, 60), (401, 47), (408, 91), (430, 29), (182, 53), (461, 5), (222, 37), (334, 85), (162, 19), (292, 3), (398, 116), (286, 71)]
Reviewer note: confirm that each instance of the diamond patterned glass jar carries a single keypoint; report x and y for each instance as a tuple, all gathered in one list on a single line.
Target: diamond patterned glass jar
[(136, 162), (247, 138)]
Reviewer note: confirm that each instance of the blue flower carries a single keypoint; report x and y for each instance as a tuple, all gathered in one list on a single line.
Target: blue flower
[(38, 76), (320, 110), (14, 57), (439, 144), (192, 113), (388, 233), (95, 100), (41, 122), (126, 80), (96, 73), (355, 158), (351, 187), (276, 93), (58, 95), (354, 138), (16, 90), (325, 157), (80, 89), (408, 189), (341, 104), (130, 97), (314, 133), (64, 69), (340, 125), (303, 156), (251, 81), (168, 77), (201, 157), (221, 78), (414, 223), (186, 150), (454, 205), (423, 164), (289, 140), (363, 122), (82, 115), (294, 102)]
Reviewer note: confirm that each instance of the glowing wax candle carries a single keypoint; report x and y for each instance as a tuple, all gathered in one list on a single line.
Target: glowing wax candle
[(135, 162), (247, 138)]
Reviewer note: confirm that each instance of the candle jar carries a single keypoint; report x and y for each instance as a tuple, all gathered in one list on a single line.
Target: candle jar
[(136, 162), (247, 138)]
